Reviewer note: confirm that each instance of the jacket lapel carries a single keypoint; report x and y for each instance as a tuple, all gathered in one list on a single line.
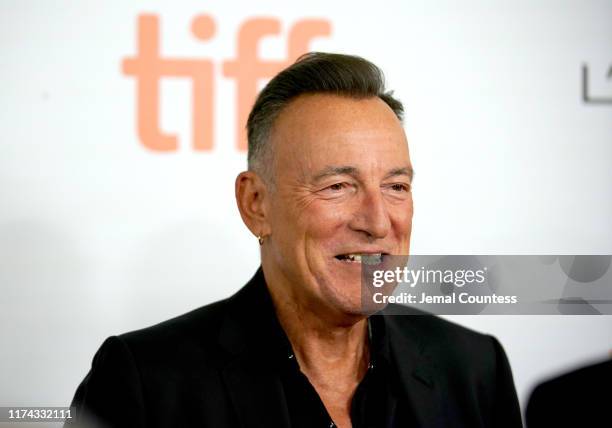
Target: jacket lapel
[(250, 376), (409, 352)]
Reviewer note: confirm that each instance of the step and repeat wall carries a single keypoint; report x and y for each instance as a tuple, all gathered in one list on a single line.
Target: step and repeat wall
[(123, 131)]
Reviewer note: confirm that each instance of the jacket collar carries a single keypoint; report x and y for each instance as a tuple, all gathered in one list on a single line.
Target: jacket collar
[(249, 316), (250, 336), (415, 366)]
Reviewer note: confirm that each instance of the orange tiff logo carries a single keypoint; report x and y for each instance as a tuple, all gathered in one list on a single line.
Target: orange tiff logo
[(148, 68)]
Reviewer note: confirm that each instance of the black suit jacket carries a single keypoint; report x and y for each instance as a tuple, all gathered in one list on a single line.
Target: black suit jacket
[(211, 368)]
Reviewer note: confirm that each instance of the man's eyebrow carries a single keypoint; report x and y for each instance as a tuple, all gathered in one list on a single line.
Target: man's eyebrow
[(407, 171), (329, 171), (335, 170)]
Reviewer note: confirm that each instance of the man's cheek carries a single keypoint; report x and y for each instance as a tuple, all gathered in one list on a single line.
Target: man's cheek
[(324, 217)]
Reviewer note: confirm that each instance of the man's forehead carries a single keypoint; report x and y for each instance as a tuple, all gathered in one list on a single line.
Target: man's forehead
[(312, 111), (350, 136)]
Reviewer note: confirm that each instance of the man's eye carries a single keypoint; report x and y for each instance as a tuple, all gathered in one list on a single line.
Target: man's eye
[(337, 189), (400, 187)]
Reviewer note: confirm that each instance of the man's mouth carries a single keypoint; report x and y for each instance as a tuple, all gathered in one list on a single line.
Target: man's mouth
[(370, 258)]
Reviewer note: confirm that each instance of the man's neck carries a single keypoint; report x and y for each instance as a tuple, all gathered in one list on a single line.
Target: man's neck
[(332, 349), (328, 349)]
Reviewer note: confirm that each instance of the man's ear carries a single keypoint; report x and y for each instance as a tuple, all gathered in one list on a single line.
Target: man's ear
[(252, 199)]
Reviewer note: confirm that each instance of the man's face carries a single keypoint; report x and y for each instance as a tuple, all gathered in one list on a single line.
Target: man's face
[(342, 189)]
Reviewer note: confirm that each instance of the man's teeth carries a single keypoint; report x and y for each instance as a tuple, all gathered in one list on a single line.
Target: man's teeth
[(354, 257), (366, 258)]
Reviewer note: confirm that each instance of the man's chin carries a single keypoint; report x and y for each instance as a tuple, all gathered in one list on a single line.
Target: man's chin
[(356, 306), (344, 293), (368, 306)]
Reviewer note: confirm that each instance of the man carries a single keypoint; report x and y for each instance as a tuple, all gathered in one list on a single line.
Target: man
[(329, 181), (579, 398)]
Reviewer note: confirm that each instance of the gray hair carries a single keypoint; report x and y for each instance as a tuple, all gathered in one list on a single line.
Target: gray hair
[(315, 72)]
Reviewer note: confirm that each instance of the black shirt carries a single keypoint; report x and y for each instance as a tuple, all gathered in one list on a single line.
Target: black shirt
[(377, 402)]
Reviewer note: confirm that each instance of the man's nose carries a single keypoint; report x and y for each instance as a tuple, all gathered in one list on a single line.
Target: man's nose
[(371, 216)]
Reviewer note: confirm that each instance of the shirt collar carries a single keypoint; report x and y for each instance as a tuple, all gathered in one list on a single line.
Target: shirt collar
[(280, 346)]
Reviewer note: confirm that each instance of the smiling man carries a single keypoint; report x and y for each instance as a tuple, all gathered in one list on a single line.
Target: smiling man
[(328, 183)]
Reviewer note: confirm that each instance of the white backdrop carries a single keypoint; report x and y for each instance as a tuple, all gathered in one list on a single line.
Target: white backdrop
[(100, 235)]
